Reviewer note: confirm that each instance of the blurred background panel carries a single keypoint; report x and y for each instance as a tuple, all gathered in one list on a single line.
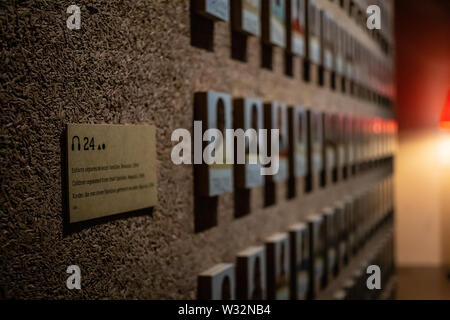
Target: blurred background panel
[(423, 162)]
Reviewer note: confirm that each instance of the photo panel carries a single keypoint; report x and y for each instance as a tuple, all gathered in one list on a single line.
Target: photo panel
[(345, 240), (296, 34), (246, 17), (298, 163), (329, 215), (340, 50), (330, 142), (328, 40), (349, 56), (314, 31), (251, 274), (217, 283), (349, 151), (316, 140), (299, 246), (214, 110), (317, 239), (213, 9), (276, 117), (248, 114), (338, 129), (277, 249), (274, 23)]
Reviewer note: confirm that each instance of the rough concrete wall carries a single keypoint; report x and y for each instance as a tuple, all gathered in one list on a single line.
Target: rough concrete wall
[(130, 63)]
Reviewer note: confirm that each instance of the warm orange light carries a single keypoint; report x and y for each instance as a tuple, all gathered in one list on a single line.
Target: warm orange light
[(377, 125), (445, 116)]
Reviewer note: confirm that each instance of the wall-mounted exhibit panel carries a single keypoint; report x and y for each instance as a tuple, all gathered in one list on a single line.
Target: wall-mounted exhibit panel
[(154, 225)]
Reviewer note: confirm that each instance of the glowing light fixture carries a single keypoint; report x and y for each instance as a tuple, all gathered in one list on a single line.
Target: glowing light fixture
[(445, 116)]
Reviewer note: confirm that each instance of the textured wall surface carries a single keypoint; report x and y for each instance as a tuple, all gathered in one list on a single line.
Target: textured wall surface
[(130, 63)]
